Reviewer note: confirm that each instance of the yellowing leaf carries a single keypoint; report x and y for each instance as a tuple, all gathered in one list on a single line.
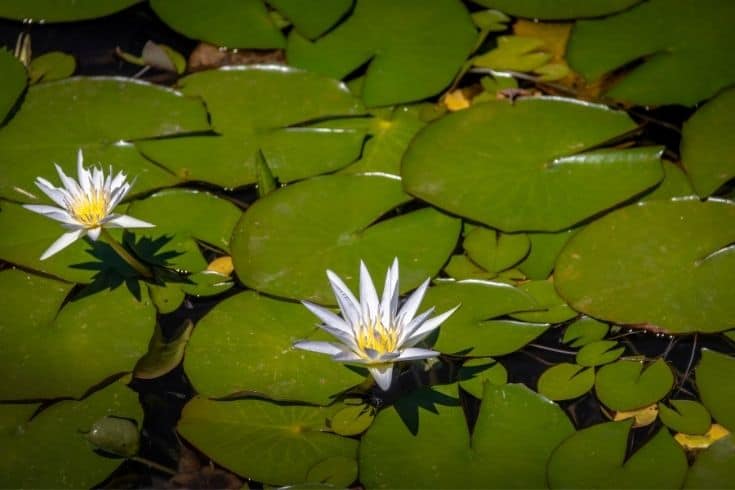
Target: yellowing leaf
[(221, 265), (692, 443), (642, 417), (553, 35), (456, 100), (514, 53)]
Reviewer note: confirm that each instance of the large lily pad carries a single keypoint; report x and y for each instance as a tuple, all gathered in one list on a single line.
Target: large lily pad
[(714, 466), (629, 385), (51, 450), (309, 19), (245, 345), (286, 241), (12, 83), (713, 375), (50, 353), (44, 11), (97, 115), (475, 327), (707, 148), (414, 48), (682, 63), (596, 458), (663, 265), (276, 444), (558, 9), (528, 165), (423, 441), (269, 114)]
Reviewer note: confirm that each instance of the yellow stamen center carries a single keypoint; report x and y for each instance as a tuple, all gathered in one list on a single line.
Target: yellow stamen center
[(377, 337), (90, 209)]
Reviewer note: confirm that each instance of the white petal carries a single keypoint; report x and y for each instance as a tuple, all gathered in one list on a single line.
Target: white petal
[(383, 376), (349, 356), (389, 301), (320, 347), (58, 195), (368, 296), (94, 233), (64, 241), (116, 196), (52, 212), (409, 308), (118, 181), (414, 353), (71, 185), (345, 299), (427, 327), (328, 317), (125, 221), (409, 329), (82, 174)]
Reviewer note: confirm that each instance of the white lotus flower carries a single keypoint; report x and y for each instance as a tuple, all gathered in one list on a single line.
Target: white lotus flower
[(85, 205), (375, 333)]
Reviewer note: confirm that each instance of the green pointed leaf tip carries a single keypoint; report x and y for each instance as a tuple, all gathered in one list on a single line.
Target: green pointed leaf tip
[(251, 437), (286, 241), (427, 39), (583, 331), (599, 353), (687, 416), (566, 381), (629, 385), (639, 266), (558, 9), (523, 166), (45, 11), (474, 373), (681, 64), (12, 83), (713, 376), (707, 147)]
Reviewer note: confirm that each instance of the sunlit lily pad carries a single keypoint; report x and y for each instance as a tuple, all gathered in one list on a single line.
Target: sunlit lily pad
[(414, 49), (287, 240), (472, 329), (272, 102), (566, 381), (44, 11), (12, 83), (707, 147), (515, 433), (627, 385), (681, 64), (461, 267), (545, 248), (584, 331), (495, 251), (714, 467), (276, 444), (528, 165), (663, 265), (558, 9), (687, 416), (52, 451), (550, 307), (474, 373), (97, 115), (596, 458), (49, 353), (713, 376), (245, 345)]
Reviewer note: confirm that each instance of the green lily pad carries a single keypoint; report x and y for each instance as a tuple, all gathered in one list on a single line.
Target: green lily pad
[(167, 297), (528, 165), (271, 116), (312, 20), (44, 11), (596, 458), (599, 353), (640, 266), (352, 420), (99, 116), (516, 431), (51, 450), (262, 440), (472, 328), (514, 53), (550, 307), (229, 23), (51, 66), (674, 184), (245, 345), (706, 147), (713, 467), (495, 251), (461, 267), (334, 472), (414, 49), (287, 240), (545, 248), (584, 331), (626, 385), (681, 64), (687, 416), (49, 353), (163, 354), (474, 373), (558, 9), (713, 375), (12, 83), (207, 283), (566, 381)]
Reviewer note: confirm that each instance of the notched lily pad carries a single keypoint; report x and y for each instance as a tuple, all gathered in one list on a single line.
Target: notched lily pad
[(12, 83), (495, 251), (474, 373), (713, 467), (599, 352), (584, 331), (627, 385), (717, 393), (550, 308), (687, 416), (566, 381), (44, 11)]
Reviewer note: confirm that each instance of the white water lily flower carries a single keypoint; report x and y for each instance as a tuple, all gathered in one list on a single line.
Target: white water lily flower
[(85, 205), (372, 332)]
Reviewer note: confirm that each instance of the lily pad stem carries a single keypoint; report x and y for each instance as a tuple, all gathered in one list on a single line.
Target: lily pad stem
[(136, 264)]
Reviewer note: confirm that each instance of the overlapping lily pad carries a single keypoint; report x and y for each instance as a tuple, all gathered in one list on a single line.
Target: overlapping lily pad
[(414, 49), (687, 416), (663, 265), (51, 66), (286, 241), (528, 165), (97, 115), (49, 353), (545, 248), (584, 331), (51, 450), (707, 148), (12, 83), (271, 443), (596, 458), (423, 441), (629, 385), (717, 393), (495, 251), (558, 9), (682, 63), (262, 109), (312, 20), (566, 381), (245, 345), (714, 466), (44, 11)]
